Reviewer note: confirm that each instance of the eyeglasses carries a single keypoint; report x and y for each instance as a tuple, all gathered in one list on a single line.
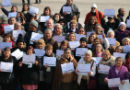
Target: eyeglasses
[(104, 54)]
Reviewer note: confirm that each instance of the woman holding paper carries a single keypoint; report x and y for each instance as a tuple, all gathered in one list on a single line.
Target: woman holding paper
[(118, 71), (7, 69), (28, 68), (49, 69), (65, 81), (85, 76), (106, 61)]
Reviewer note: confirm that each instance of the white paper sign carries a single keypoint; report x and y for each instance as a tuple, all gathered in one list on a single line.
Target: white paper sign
[(59, 52), (89, 33), (5, 44), (18, 54), (12, 14), (36, 36), (89, 45), (104, 69), (29, 59), (6, 3), (80, 51), (67, 9), (39, 52), (100, 36), (44, 18), (8, 28), (74, 44), (59, 39), (97, 59), (83, 68), (109, 12), (116, 54), (67, 67), (114, 82), (125, 86), (6, 66), (79, 36), (33, 10), (112, 41), (128, 23), (17, 32), (50, 61), (126, 48)]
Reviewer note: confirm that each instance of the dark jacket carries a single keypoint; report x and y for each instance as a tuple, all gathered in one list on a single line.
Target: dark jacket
[(5, 76), (75, 11)]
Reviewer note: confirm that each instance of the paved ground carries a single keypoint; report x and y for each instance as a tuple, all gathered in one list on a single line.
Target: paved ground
[(84, 5)]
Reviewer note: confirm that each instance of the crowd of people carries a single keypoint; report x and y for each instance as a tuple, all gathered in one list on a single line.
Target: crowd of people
[(42, 49)]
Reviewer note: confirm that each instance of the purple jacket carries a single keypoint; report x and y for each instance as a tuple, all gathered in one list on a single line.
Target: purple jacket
[(123, 74), (121, 34)]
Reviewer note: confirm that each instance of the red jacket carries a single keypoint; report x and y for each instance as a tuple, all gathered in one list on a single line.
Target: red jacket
[(99, 16), (2, 28), (127, 64)]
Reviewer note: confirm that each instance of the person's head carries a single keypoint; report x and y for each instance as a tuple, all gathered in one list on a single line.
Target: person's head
[(12, 20), (73, 24), (33, 26), (20, 42), (93, 7), (119, 49), (121, 11), (98, 29), (64, 44), (72, 36), (4, 19), (58, 29), (57, 17), (50, 23), (111, 34), (92, 37), (49, 49), (88, 55), (92, 20), (17, 26), (40, 44), (126, 41), (106, 54), (69, 2), (99, 48), (30, 50), (7, 37), (97, 41), (7, 52), (111, 20), (81, 31), (74, 17), (48, 34), (14, 8), (25, 7), (62, 22), (122, 26), (67, 53), (119, 61), (83, 42), (47, 11)]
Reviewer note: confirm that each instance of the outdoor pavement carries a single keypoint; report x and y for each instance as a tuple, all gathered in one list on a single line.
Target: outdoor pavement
[(83, 5)]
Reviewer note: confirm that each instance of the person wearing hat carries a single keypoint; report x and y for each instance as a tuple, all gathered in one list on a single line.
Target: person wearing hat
[(4, 22), (33, 27), (94, 12), (121, 32), (112, 23)]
